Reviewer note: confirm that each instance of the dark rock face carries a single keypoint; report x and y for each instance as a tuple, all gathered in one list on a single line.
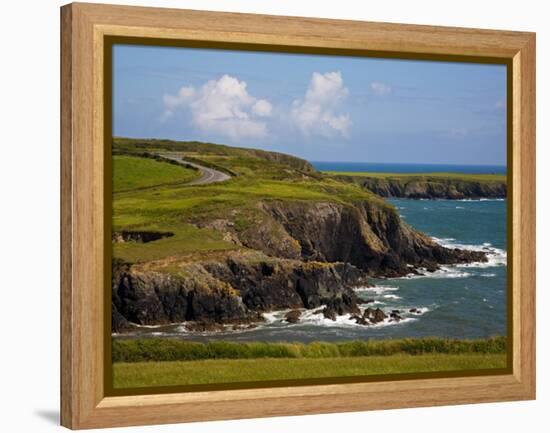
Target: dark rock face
[(293, 316), (370, 236), (370, 317), (374, 316), (156, 298), (395, 316), (119, 322), (340, 306), (434, 188), (234, 291)]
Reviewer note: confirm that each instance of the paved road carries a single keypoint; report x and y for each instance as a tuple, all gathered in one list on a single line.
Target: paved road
[(208, 175)]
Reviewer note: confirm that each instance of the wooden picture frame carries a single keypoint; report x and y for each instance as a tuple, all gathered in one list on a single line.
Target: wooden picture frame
[(84, 29)]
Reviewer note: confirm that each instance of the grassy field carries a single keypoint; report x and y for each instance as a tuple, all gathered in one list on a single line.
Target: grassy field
[(131, 172), (174, 207), (143, 374), (153, 362), (424, 176)]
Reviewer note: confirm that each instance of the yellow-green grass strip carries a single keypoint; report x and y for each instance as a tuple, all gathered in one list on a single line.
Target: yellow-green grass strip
[(145, 374)]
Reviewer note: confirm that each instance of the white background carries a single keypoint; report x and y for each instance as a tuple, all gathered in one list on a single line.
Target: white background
[(29, 240)]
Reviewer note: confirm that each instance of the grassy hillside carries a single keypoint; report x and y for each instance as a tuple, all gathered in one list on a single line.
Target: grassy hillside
[(131, 172), (172, 206), (201, 149)]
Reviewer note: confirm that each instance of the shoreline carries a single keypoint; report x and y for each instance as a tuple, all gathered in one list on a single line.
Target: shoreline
[(313, 317)]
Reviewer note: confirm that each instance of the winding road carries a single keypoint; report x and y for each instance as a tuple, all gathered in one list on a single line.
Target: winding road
[(208, 175)]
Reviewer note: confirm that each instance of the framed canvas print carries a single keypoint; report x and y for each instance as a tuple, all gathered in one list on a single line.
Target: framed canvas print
[(272, 216)]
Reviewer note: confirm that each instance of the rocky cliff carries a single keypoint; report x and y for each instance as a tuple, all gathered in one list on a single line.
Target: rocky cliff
[(425, 187), (369, 235), (277, 235), (233, 288), (303, 254)]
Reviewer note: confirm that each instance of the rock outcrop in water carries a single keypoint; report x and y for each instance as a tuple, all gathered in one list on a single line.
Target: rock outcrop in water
[(231, 289)]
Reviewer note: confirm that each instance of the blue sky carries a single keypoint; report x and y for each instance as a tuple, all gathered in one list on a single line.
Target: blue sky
[(322, 108)]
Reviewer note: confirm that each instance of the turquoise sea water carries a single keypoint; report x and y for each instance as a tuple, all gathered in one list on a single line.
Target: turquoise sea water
[(466, 301)]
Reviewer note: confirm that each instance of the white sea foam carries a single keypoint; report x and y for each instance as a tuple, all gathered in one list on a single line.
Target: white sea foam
[(442, 272), (482, 199), (392, 297), (315, 317), (495, 256), (345, 321), (447, 272), (372, 303), (376, 290), (274, 316), (389, 322), (148, 326)]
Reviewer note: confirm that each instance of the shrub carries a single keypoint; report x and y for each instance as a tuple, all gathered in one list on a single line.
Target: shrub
[(166, 349)]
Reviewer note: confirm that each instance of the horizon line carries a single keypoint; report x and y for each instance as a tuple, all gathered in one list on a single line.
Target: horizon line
[(408, 163)]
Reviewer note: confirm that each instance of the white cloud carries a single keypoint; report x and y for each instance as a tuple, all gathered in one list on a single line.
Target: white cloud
[(222, 106), (315, 113), (262, 108), (380, 88)]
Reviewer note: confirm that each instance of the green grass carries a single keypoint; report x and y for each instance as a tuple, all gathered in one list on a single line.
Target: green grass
[(143, 374), (205, 150), (152, 195), (187, 239), (172, 206), (424, 176), (131, 172), (159, 349)]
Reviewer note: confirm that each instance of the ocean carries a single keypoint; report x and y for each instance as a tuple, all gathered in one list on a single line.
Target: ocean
[(382, 167), (463, 301)]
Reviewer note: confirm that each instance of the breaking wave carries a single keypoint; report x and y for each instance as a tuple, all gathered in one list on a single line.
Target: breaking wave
[(495, 256)]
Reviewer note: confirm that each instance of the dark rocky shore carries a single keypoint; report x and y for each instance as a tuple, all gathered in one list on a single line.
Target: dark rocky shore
[(425, 187), (303, 254)]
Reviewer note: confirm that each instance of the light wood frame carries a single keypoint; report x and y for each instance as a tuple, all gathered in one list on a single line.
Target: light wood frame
[(83, 400)]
